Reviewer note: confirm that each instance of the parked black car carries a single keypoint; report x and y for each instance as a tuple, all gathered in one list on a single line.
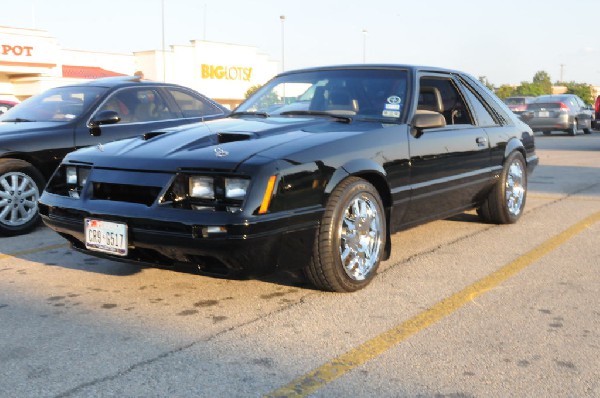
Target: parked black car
[(37, 134), (315, 170)]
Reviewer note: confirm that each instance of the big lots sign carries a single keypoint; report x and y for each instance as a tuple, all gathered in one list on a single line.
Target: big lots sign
[(8, 49)]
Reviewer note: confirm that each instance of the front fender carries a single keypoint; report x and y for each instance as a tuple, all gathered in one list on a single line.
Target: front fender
[(514, 144), (355, 167)]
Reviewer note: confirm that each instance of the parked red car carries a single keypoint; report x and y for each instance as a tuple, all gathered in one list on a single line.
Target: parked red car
[(6, 105), (518, 104), (596, 119)]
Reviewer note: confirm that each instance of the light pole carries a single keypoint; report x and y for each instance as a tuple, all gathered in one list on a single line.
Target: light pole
[(282, 18), (204, 32), (364, 32), (164, 61)]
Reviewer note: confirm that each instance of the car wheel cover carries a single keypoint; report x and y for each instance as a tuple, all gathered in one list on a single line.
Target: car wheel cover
[(515, 188), (360, 236), (18, 199)]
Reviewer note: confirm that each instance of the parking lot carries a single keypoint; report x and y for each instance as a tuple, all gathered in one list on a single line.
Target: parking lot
[(461, 309)]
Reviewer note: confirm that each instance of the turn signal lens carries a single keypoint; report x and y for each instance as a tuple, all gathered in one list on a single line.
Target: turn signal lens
[(264, 207)]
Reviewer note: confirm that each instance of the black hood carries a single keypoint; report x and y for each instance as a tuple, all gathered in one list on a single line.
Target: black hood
[(219, 145)]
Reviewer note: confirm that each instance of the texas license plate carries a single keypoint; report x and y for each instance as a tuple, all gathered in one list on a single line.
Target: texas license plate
[(106, 236)]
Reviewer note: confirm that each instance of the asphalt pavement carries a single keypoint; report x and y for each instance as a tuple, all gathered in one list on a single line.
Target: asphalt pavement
[(461, 309)]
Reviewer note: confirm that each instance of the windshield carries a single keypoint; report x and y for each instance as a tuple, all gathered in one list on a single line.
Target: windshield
[(55, 105), (360, 93)]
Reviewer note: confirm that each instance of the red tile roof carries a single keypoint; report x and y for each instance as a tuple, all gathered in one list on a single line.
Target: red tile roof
[(87, 72)]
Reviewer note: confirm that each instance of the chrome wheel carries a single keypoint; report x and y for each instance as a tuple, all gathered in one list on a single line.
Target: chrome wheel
[(515, 188), (360, 236), (19, 196)]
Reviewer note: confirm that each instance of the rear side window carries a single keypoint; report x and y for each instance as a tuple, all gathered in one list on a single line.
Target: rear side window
[(192, 106), (480, 108), (497, 107)]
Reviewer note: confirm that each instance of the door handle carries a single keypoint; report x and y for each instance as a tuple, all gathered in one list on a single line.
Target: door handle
[(481, 141)]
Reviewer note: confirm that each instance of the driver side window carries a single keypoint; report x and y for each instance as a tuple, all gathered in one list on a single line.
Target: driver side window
[(439, 94)]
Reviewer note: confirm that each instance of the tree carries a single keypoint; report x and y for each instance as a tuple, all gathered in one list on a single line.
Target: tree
[(543, 81), (527, 89), (582, 90), (487, 83), (252, 90), (505, 91)]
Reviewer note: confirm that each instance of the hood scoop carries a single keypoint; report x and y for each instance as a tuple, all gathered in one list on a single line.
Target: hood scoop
[(150, 135), (223, 138)]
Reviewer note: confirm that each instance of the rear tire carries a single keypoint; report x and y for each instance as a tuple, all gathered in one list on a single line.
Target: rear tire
[(350, 241), (21, 185), (505, 202), (573, 129)]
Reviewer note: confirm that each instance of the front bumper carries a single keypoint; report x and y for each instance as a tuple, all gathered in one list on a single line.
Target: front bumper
[(168, 237)]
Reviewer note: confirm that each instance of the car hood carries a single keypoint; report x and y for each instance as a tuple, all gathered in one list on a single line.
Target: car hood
[(218, 145)]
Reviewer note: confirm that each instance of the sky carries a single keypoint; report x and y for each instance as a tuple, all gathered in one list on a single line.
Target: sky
[(506, 41)]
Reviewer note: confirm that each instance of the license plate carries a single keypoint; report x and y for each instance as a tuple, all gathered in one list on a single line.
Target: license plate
[(543, 114), (105, 236)]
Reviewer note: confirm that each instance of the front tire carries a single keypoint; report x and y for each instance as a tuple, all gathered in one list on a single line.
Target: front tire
[(588, 128), (505, 202), (20, 188), (350, 241)]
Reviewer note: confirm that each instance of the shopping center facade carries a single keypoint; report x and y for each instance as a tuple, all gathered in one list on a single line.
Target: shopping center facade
[(32, 61)]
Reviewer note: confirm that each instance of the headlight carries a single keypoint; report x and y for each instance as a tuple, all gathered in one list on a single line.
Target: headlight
[(75, 178), (71, 175), (202, 187), (235, 188)]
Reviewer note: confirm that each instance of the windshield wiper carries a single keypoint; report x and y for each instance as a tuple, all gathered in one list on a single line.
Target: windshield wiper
[(259, 114), (18, 120), (339, 118)]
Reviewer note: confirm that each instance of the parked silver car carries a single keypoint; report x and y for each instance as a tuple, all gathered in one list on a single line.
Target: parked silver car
[(559, 112)]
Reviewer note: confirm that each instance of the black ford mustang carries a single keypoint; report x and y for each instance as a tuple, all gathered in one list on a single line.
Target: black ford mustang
[(315, 171)]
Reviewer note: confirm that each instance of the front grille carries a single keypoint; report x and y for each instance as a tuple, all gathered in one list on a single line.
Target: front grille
[(125, 193)]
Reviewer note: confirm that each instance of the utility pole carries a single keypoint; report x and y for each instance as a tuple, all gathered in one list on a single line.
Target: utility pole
[(282, 18), (164, 61), (364, 32), (562, 67)]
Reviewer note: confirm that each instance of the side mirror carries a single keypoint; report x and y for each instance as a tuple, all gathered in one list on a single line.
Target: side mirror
[(427, 120), (104, 117)]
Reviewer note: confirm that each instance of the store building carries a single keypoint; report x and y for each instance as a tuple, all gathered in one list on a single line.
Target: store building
[(32, 61)]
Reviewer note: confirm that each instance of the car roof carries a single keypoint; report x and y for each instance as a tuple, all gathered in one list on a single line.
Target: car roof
[(119, 81), (373, 66), (553, 97)]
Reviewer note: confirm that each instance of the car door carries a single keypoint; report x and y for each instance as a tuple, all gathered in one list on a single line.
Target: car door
[(449, 165), (584, 114)]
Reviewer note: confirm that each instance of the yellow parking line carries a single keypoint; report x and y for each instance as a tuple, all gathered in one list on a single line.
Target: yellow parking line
[(328, 372), (31, 251)]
